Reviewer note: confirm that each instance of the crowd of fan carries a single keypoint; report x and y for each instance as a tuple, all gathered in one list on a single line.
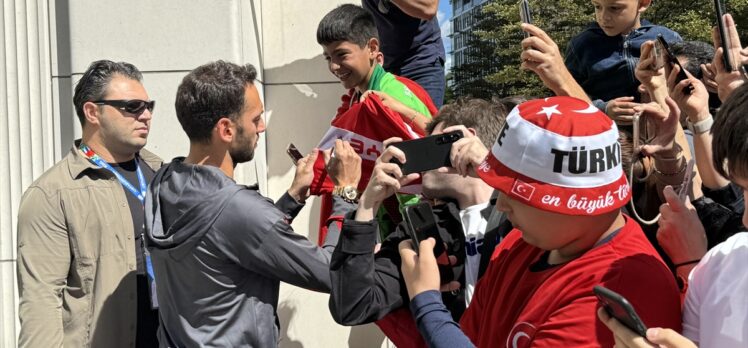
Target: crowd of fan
[(630, 177)]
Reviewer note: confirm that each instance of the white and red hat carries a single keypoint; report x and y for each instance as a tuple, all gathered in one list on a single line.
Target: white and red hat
[(559, 154)]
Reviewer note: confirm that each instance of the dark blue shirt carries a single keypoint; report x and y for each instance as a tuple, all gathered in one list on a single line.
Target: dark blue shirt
[(604, 65), (405, 41)]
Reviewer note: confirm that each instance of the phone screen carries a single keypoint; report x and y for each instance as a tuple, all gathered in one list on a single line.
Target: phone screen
[(618, 307)]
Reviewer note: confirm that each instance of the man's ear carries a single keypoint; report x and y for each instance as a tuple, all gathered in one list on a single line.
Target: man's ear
[(472, 131), (224, 130), (91, 112), (373, 46)]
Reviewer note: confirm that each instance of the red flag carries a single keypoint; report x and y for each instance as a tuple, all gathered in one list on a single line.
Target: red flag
[(365, 125)]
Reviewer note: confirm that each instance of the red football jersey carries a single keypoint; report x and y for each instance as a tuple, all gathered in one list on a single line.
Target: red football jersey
[(516, 307)]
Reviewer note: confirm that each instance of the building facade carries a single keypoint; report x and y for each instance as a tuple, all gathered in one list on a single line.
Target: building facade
[(48, 44)]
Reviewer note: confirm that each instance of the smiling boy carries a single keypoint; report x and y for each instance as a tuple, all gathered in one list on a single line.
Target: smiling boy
[(350, 43), (602, 58)]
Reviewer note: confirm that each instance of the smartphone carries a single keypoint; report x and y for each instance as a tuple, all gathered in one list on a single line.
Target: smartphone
[(294, 153), (421, 225), (618, 307), (427, 153), (687, 179), (719, 9), (673, 61), (524, 14)]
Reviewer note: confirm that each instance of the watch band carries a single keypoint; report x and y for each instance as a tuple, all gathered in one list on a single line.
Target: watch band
[(702, 126)]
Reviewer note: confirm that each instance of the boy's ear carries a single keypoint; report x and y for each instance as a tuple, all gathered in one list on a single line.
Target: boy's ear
[(644, 5), (373, 45)]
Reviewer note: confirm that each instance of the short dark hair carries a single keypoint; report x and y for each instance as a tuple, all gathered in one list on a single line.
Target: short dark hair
[(730, 136), (94, 83), (210, 92), (347, 22), (696, 52), (485, 117)]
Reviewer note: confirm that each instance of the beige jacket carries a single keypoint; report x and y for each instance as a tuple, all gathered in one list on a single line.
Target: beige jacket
[(76, 258)]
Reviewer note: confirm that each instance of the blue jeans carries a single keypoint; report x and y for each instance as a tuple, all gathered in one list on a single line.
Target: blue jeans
[(430, 77)]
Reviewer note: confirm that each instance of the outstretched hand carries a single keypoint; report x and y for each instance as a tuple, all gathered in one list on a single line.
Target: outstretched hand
[(666, 124)]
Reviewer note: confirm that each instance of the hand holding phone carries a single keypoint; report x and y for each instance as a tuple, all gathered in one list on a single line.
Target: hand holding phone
[(524, 14), (672, 61), (618, 307), (427, 153), (294, 153), (421, 225)]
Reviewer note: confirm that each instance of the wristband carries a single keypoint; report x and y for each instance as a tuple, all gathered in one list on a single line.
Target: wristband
[(700, 127), (675, 266)]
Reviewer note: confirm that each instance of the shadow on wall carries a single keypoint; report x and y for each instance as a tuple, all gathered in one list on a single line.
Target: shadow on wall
[(300, 113)]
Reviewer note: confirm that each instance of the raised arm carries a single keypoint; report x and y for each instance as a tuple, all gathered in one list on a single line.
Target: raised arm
[(423, 9)]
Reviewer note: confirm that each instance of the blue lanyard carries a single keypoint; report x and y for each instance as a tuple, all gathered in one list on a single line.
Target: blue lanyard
[(96, 159)]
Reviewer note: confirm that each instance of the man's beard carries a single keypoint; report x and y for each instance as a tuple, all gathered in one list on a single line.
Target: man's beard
[(243, 151)]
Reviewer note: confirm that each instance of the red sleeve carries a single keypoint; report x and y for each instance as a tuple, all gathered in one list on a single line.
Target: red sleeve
[(646, 282), (401, 329)]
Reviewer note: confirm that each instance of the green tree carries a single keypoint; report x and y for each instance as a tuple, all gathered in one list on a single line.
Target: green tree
[(494, 66)]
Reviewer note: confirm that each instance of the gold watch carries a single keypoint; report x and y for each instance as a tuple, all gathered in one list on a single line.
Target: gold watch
[(347, 193)]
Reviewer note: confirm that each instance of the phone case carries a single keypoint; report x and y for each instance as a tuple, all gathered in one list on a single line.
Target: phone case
[(618, 307), (524, 14), (427, 153), (719, 10), (674, 62), (422, 225)]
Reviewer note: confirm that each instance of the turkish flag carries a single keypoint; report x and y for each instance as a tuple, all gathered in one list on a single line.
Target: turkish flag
[(366, 126)]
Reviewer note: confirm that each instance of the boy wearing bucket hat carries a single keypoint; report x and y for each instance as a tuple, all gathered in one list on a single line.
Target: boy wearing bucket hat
[(557, 164)]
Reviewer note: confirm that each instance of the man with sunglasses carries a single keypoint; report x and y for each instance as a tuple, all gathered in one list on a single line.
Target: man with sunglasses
[(83, 274)]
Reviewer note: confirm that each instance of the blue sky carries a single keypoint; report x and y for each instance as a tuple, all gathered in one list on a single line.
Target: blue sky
[(445, 12)]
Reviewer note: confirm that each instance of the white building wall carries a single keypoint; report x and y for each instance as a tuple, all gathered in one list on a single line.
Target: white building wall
[(47, 45)]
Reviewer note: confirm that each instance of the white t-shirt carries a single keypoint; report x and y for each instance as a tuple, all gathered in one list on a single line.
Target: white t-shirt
[(716, 310), (474, 226)]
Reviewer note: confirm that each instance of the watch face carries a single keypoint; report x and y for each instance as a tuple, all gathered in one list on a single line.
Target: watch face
[(350, 192)]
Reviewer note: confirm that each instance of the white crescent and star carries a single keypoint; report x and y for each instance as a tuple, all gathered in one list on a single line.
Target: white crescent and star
[(550, 111), (591, 109)]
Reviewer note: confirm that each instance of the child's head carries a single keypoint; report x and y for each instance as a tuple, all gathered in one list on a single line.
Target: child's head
[(557, 163), (350, 42), (619, 17), (730, 142)]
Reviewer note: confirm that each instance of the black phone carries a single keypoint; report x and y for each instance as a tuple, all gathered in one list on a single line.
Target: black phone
[(427, 153), (618, 307), (673, 61), (294, 153), (524, 14), (719, 9), (421, 225)]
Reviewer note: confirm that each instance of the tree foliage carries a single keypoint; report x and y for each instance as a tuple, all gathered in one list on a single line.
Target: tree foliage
[(494, 59)]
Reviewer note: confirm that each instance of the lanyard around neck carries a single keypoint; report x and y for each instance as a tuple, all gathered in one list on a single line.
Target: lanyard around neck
[(97, 160)]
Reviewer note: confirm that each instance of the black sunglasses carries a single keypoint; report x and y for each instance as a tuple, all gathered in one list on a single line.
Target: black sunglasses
[(133, 106)]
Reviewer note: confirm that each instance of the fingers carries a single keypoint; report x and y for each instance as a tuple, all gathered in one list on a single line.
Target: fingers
[(407, 251), (668, 338), (623, 335), (426, 249), (672, 199), (309, 159), (327, 155)]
